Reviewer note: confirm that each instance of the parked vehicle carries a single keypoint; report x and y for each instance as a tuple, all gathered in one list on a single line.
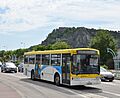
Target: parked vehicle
[(0, 64), (106, 75), (8, 67), (20, 67)]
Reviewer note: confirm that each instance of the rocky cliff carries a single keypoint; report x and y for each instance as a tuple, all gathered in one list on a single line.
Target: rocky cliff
[(76, 37)]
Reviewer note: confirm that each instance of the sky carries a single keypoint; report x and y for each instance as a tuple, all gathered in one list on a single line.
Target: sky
[(24, 23)]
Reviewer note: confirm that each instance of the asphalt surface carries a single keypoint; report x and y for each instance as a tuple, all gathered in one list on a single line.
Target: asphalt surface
[(8, 92), (16, 85)]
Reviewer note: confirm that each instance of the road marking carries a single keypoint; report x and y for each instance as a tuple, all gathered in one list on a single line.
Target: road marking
[(81, 95), (112, 93), (108, 83), (85, 95), (17, 75), (90, 95), (14, 88), (114, 83)]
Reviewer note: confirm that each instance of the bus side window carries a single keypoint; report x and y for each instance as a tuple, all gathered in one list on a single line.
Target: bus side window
[(45, 59), (38, 59), (32, 59), (55, 59), (25, 60)]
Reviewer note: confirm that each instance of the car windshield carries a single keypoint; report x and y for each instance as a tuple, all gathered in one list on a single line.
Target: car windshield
[(10, 64), (103, 69), (85, 64), (21, 65)]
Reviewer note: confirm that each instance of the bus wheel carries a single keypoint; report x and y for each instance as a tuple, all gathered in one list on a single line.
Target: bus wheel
[(57, 79), (32, 75)]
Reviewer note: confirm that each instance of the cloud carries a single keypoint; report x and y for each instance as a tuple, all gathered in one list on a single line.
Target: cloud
[(4, 10), (24, 15)]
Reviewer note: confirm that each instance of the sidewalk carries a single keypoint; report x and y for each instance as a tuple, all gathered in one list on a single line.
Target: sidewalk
[(8, 92)]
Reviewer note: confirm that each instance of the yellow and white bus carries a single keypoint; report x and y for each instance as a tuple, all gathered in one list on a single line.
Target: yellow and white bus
[(66, 66)]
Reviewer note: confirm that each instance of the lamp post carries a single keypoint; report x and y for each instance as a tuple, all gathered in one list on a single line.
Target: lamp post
[(109, 50), (116, 63)]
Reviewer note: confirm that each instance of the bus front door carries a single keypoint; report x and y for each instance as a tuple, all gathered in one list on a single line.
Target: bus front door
[(66, 69)]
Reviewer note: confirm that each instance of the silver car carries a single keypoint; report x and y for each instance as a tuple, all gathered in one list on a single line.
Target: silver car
[(8, 67), (106, 75), (20, 67)]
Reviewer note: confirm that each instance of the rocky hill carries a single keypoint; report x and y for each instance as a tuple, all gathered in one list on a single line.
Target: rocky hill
[(76, 37)]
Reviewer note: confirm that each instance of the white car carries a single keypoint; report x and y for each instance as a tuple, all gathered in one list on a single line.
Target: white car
[(0, 64), (8, 67), (106, 75)]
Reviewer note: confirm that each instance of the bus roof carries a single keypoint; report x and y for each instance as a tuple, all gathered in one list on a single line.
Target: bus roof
[(72, 51)]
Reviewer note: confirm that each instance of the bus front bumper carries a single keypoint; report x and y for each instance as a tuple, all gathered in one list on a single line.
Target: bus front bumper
[(85, 81)]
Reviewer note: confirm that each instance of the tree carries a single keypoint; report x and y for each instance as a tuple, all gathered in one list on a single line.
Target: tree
[(102, 41), (38, 48), (7, 55), (60, 45), (2, 55)]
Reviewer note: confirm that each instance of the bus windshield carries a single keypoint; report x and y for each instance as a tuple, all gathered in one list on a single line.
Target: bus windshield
[(84, 63)]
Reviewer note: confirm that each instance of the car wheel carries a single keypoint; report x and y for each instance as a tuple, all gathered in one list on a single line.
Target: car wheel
[(110, 80), (22, 69)]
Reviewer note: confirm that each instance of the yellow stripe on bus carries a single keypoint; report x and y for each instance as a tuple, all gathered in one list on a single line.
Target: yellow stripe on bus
[(84, 75)]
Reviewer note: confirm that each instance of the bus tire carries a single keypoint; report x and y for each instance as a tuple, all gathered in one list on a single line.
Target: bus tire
[(32, 75), (57, 79)]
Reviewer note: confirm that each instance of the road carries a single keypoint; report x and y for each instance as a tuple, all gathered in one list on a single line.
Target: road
[(27, 88)]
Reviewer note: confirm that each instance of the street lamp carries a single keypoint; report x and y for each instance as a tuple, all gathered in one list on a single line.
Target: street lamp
[(109, 50), (116, 64)]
